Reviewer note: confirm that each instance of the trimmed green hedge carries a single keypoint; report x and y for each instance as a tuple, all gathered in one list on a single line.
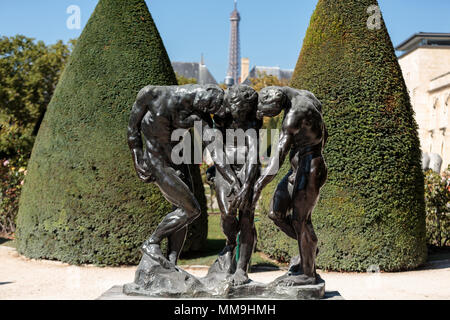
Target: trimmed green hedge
[(82, 201), (371, 210)]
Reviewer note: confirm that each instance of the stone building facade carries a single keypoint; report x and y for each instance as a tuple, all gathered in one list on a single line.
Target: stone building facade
[(425, 64)]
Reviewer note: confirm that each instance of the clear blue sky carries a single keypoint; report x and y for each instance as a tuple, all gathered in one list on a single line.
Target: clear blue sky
[(271, 31)]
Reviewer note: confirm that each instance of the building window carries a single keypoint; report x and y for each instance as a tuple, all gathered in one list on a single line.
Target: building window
[(434, 115), (443, 151), (443, 115), (435, 102), (430, 139)]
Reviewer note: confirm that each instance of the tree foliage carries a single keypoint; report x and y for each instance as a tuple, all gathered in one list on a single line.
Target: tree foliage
[(183, 80), (29, 72), (265, 80)]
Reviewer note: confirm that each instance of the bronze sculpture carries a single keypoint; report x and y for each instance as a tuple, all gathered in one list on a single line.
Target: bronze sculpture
[(157, 112)]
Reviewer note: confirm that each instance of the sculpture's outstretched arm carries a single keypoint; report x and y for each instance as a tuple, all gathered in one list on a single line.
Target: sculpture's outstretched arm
[(253, 167), (275, 163)]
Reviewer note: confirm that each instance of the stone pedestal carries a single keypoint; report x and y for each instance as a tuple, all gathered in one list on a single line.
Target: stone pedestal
[(154, 281), (116, 293)]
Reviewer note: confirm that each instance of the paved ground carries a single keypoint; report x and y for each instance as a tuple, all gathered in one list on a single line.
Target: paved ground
[(22, 278)]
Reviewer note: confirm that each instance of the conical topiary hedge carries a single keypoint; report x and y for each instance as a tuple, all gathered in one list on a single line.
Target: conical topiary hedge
[(371, 211), (82, 201)]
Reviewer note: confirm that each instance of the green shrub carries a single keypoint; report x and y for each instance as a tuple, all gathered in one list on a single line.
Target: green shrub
[(437, 201), (82, 201), (12, 174), (371, 210)]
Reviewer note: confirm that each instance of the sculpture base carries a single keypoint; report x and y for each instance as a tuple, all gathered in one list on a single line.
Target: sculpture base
[(170, 281), (251, 290), (156, 281), (117, 293)]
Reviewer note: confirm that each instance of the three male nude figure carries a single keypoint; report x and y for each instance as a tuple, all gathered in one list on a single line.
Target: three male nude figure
[(159, 110)]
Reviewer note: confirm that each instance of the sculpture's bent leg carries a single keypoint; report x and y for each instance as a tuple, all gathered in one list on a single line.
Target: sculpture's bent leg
[(279, 206), (177, 239), (228, 221), (178, 193), (246, 245), (225, 263), (175, 244), (303, 205)]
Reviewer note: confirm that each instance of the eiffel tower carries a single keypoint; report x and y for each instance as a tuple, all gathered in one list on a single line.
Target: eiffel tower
[(234, 65)]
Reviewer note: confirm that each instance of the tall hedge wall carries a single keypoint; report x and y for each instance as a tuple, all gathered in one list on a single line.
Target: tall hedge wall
[(82, 201), (371, 210)]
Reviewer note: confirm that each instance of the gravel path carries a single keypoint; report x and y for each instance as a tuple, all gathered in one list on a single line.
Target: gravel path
[(22, 278)]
